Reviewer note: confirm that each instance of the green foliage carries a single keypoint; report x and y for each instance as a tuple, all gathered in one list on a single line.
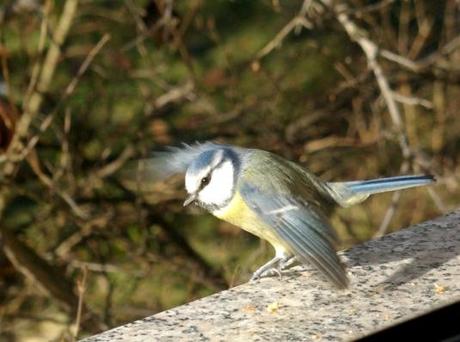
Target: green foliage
[(195, 75)]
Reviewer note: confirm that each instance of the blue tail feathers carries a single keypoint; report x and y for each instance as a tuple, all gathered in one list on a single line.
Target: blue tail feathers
[(389, 184), (350, 193)]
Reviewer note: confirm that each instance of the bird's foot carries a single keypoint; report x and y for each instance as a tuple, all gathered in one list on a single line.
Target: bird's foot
[(287, 263), (271, 272), (267, 269), (274, 267)]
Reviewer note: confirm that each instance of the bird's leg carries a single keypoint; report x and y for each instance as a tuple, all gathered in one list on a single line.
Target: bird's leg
[(268, 269)]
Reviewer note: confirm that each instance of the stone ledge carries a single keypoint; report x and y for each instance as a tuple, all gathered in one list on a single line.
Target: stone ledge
[(395, 278)]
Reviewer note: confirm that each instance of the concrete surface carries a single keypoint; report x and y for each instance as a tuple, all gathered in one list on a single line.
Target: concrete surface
[(394, 278)]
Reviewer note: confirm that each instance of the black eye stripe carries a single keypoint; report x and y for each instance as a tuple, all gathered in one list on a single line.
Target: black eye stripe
[(206, 179)]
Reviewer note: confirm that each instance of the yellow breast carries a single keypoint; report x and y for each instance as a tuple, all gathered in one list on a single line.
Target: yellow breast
[(237, 212)]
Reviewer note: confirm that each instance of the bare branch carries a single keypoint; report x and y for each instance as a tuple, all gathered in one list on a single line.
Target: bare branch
[(424, 63), (32, 106), (115, 165), (67, 92), (35, 166), (370, 8), (294, 24), (389, 214), (370, 49), (81, 289), (34, 267), (175, 94), (412, 100), (86, 63)]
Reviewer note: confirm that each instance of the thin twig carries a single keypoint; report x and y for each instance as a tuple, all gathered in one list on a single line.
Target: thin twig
[(437, 200), (401, 60), (67, 92), (389, 214), (185, 91), (81, 288), (278, 39), (391, 211), (86, 63), (369, 8), (94, 266), (32, 106), (41, 47), (115, 165), (86, 228), (424, 63), (412, 100), (306, 7), (36, 168)]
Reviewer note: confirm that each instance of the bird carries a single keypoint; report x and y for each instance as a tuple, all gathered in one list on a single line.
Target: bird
[(272, 198)]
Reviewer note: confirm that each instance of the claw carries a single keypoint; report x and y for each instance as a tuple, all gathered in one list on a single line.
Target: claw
[(272, 272), (254, 277)]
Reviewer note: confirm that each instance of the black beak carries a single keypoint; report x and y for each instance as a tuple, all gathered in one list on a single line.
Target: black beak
[(190, 199)]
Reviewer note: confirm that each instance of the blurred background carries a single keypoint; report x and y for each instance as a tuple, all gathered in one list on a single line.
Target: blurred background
[(351, 90)]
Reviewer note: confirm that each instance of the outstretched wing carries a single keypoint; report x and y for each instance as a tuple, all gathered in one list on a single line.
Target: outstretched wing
[(164, 164), (300, 223)]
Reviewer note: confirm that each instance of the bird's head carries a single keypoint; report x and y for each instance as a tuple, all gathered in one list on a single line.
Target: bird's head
[(211, 178)]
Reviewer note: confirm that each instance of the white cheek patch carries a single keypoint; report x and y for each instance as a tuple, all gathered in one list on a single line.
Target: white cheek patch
[(220, 188), (192, 183)]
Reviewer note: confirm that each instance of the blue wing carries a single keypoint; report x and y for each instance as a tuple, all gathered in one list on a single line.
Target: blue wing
[(301, 224)]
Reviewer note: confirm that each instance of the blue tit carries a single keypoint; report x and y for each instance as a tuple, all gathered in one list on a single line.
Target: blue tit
[(272, 198)]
